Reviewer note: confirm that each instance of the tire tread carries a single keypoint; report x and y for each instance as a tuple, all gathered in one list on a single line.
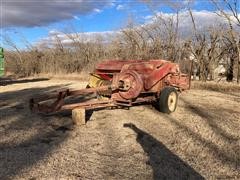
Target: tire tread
[(163, 99)]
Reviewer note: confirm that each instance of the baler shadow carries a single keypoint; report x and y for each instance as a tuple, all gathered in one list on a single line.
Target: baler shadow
[(165, 164), (90, 112)]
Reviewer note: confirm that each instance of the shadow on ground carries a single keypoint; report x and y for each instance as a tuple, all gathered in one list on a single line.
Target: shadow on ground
[(8, 81), (26, 138), (164, 163), (210, 117)]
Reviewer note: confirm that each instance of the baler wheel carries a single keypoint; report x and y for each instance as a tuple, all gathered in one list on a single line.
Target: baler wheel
[(167, 102)]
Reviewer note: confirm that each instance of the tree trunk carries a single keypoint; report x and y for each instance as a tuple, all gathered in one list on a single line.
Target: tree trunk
[(238, 63), (229, 73)]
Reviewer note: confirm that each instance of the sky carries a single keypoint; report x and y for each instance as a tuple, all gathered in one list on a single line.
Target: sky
[(35, 20)]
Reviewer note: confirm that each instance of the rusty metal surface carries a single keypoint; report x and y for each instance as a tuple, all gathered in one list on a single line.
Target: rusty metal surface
[(157, 75), (131, 84), (37, 104), (89, 104), (114, 65)]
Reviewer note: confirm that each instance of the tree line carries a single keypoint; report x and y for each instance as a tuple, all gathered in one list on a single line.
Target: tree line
[(160, 39)]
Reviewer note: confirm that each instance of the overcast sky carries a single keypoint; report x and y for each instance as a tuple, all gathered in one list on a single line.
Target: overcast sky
[(35, 20)]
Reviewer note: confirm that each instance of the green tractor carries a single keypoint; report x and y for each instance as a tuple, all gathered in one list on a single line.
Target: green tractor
[(2, 71)]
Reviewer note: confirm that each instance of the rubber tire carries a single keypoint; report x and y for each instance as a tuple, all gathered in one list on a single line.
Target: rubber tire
[(162, 102)]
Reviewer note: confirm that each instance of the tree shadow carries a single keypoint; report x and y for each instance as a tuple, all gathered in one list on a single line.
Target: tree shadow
[(223, 155), (164, 163), (220, 153), (8, 81), (26, 138), (209, 117)]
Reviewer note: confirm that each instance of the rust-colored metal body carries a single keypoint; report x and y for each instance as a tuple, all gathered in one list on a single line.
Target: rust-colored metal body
[(129, 82)]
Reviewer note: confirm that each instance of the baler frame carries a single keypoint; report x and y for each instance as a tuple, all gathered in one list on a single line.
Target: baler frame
[(128, 83)]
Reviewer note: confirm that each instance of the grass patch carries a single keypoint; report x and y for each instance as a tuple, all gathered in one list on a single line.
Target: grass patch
[(214, 86)]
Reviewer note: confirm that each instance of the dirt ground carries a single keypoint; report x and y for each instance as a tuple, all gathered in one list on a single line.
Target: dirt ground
[(200, 140)]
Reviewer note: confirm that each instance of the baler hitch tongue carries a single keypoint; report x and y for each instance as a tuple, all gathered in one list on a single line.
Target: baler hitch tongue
[(41, 104)]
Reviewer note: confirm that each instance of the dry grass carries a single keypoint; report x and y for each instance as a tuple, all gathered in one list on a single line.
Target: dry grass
[(82, 76), (200, 139), (214, 86)]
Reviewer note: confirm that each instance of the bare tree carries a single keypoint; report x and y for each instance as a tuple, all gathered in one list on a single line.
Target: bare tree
[(229, 9)]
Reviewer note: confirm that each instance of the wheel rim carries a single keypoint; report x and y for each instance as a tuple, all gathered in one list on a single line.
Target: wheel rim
[(172, 100)]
